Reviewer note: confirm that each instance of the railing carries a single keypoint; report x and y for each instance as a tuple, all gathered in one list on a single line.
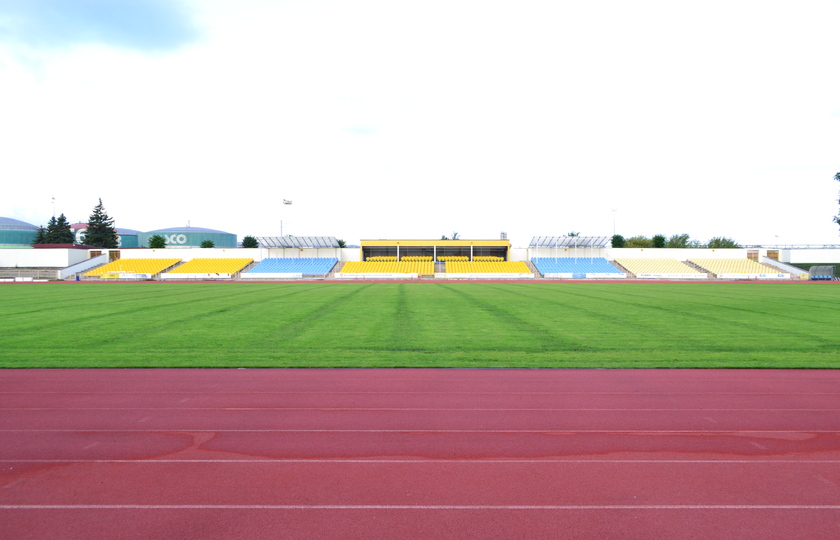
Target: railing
[(33, 273), (83, 266)]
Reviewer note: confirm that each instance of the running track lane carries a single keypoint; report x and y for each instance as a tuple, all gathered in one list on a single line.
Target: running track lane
[(419, 453)]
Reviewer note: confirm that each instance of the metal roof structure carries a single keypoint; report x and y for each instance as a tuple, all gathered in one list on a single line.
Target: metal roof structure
[(297, 241), (572, 241), (187, 230), (9, 224)]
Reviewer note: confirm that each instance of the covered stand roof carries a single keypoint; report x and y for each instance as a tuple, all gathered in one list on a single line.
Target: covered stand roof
[(572, 241), (9, 224), (297, 241)]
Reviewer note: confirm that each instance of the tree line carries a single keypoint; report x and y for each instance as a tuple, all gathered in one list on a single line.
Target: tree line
[(100, 230), (101, 233), (675, 241)]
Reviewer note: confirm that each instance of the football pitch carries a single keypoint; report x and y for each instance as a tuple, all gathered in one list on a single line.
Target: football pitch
[(450, 324)]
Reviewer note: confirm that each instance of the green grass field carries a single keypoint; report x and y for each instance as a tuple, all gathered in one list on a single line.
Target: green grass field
[(755, 325)]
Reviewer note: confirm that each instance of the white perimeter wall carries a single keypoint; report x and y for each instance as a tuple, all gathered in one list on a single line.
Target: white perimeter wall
[(62, 258), (258, 254), (827, 256), (791, 255), (187, 254), (50, 258), (680, 254)]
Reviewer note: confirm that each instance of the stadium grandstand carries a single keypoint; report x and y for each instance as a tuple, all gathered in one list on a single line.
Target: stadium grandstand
[(123, 267), (574, 265), (659, 268), (208, 266), (435, 250), (322, 257), (729, 266), (487, 267), (418, 268), (290, 268)]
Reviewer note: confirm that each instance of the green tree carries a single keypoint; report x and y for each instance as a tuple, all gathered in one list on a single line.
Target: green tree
[(157, 241), (100, 231), (453, 237), (250, 242), (573, 234), (40, 236), (677, 241), (658, 241), (639, 242), (721, 242), (207, 244), (58, 231), (618, 241), (341, 243), (50, 233)]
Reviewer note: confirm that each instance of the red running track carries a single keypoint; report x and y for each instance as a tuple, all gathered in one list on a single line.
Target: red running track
[(419, 454)]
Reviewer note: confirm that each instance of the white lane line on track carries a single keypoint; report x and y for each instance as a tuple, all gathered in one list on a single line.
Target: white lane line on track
[(512, 461), (397, 409), (399, 393), (420, 430), (416, 507)]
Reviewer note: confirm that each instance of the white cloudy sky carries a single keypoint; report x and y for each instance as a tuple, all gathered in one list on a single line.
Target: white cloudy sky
[(413, 119)]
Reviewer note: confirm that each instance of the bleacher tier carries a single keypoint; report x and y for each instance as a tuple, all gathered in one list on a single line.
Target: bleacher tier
[(657, 266), (212, 266), (133, 266), (425, 268), (305, 266), (574, 265), (734, 266), (481, 267)]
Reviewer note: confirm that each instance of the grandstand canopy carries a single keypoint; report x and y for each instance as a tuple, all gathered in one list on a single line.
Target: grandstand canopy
[(435, 248), (297, 241), (572, 241)]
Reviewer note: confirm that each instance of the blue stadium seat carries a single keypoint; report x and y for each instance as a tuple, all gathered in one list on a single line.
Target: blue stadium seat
[(574, 265), (305, 266)]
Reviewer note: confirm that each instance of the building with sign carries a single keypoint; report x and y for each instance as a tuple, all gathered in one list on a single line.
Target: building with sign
[(190, 237)]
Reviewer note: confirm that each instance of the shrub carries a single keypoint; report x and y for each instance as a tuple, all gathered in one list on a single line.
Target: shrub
[(157, 241), (658, 241), (722, 242), (639, 242)]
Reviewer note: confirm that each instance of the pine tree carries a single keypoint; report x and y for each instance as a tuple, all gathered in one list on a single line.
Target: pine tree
[(100, 231), (40, 236), (49, 236), (58, 231)]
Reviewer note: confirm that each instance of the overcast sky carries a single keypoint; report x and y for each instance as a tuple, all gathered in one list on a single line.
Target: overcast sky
[(414, 119)]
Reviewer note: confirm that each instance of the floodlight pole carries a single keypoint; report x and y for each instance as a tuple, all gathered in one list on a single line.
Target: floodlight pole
[(287, 203)]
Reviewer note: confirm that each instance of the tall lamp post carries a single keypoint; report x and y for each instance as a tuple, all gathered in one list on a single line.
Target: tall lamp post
[(287, 203)]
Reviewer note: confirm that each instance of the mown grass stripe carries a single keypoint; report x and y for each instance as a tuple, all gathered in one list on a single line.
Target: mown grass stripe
[(420, 324)]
